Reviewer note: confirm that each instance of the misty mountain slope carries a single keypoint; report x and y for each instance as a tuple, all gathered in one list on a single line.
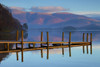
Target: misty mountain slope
[(54, 20), (7, 22)]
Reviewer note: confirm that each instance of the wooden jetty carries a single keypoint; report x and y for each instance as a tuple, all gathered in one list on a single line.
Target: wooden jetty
[(62, 44)]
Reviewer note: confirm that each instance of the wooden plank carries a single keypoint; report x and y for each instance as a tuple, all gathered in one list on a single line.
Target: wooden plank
[(39, 48), (10, 42)]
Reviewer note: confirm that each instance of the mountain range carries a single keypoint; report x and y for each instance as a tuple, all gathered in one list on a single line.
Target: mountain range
[(54, 20)]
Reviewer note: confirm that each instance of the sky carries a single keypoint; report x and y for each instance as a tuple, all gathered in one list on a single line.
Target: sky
[(73, 6)]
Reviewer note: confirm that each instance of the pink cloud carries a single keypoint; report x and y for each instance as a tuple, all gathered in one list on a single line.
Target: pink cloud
[(48, 9)]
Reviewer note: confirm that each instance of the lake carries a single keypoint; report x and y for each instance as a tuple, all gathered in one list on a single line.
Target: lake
[(56, 57)]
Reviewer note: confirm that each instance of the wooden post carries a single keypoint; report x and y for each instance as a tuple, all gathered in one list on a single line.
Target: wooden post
[(41, 44), (5, 45), (33, 45), (62, 36), (62, 44), (41, 38), (47, 45), (22, 44), (17, 56), (17, 38), (90, 38), (29, 45), (70, 44), (90, 43), (8, 46), (83, 41), (87, 41)]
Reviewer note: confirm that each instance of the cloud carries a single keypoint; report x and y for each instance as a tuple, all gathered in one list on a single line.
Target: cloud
[(87, 13), (48, 9), (18, 8)]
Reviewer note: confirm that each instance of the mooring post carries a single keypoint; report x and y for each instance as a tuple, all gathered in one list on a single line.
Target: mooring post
[(83, 41), (41, 38), (62, 44), (5, 45), (17, 38), (87, 41), (47, 45), (90, 43), (22, 44), (29, 45), (33, 45), (8, 46), (70, 44), (41, 44), (62, 36)]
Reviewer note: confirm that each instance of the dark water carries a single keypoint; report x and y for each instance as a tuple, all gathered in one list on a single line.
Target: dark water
[(56, 59)]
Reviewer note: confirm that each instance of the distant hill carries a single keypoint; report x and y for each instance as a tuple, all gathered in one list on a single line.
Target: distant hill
[(53, 20), (7, 22), (92, 27)]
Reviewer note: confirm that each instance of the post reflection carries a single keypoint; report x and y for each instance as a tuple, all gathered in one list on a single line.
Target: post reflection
[(17, 56), (41, 53)]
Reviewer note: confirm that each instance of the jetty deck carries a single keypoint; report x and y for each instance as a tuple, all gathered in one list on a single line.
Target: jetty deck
[(61, 44)]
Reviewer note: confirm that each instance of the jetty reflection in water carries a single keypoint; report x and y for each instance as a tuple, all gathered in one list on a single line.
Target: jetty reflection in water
[(42, 51)]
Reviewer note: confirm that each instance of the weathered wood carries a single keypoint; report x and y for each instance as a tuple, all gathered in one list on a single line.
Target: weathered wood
[(17, 37), (87, 41), (47, 45), (29, 45), (41, 37), (39, 48), (8, 46), (83, 41), (62, 36), (91, 38), (33, 45), (5, 46), (90, 43), (22, 44), (70, 44), (62, 44)]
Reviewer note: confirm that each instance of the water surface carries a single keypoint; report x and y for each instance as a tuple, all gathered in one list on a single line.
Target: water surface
[(56, 58)]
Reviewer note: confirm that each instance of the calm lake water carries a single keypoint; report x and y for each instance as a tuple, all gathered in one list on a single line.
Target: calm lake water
[(56, 58)]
